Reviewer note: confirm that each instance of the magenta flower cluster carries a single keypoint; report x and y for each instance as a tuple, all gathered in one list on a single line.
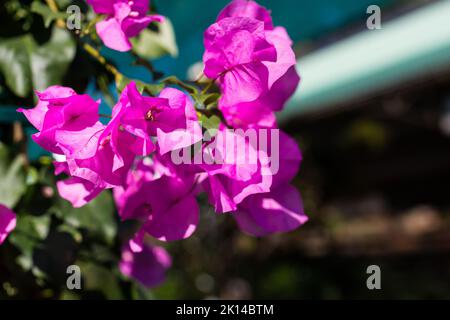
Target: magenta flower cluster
[(125, 19), (253, 64)]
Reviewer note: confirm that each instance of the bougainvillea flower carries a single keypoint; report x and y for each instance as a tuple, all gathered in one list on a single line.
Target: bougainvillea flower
[(164, 201), (148, 266), (74, 189), (171, 118), (130, 117), (125, 19), (78, 191), (282, 77), (289, 157), (60, 108), (99, 156), (177, 126), (245, 115), (7, 222), (249, 9), (103, 154), (276, 36), (36, 115), (235, 169), (281, 209), (235, 49), (91, 156), (68, 125)]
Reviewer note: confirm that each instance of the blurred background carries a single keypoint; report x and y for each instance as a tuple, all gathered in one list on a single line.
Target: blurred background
[(372, 117)]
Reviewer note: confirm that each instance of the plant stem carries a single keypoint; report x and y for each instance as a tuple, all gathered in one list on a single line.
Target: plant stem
[(89, 49), (54, 7), (208, 86), (101, 59)]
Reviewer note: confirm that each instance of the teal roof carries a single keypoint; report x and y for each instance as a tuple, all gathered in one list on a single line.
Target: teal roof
[(405, 49)]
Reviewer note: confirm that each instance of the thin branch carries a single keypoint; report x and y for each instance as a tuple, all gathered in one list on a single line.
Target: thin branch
[(101, 59), (54, 7), (208, 86)]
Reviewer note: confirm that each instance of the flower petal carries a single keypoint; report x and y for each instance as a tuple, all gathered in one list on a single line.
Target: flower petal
[(7, 222), (112, 35), (147, 267), (281, 210)]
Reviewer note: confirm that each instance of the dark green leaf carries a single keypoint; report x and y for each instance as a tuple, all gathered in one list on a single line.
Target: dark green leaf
[(26, 65), (97, 217), (209, 123), (149, 88), (27, 236), (206, 101), (15, 63), (174, 80), (13, 177), (152, 89), (49, 62), (99, 278)]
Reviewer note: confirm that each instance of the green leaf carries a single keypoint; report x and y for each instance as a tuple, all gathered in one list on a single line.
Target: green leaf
[(206, 101), (47, 14), (76, 235), (151, 88), (174, 80), (97, 217), (139, 292), (49, 62), (99, 278), (15, 64), (27, 236), (26, 65), (209, 123), (13, 177), (152, 44)]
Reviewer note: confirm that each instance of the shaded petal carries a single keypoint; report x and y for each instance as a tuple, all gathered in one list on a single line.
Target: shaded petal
[(178, 222), (102, 6), (235, 41), (148, 266), (177, 127), (281, 90), (81, 144), (37, 114), (112, 35), (141, 6), (137, 242), (7, 222), (250, 9), (289, 156), (243, 83), (281, 210), (133, 26), (70, 113), (252, 114), (285, 55), (77, 191)]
